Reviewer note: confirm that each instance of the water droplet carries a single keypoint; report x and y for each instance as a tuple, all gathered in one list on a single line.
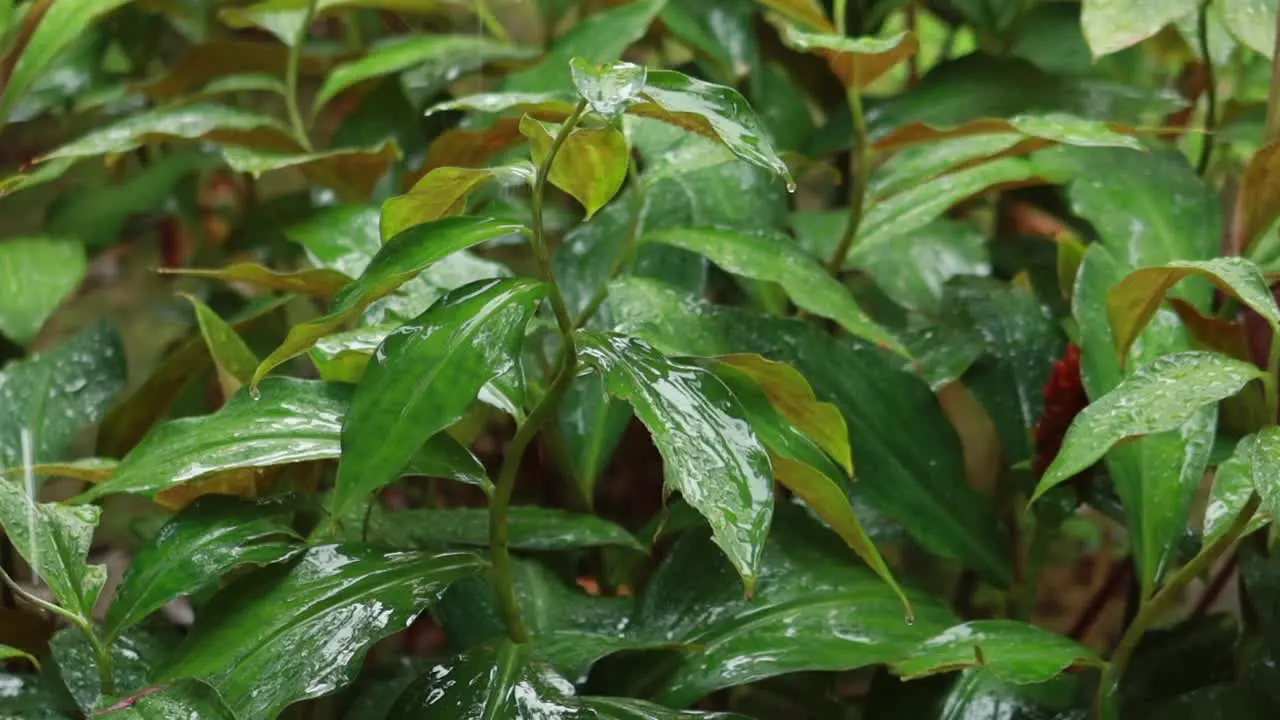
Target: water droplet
[(255, 392), (791, 186)]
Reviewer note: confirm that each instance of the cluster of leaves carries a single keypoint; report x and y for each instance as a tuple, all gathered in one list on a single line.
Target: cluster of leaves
[(947, 301)]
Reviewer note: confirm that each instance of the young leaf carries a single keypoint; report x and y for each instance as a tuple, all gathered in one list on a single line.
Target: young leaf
[(591, 164), (443, 192), (1113, 26), (710, 454), (775, 258), (1157, 398), (1264, 460), (1013, 651), (320, 614), (39, 273), (321, 282), (608, 89), (184, 122), (234, 360), (1233, 483), (54, 540), (858, 62), (194, 550), (1135, 300), (529, 528), (601, 38), (426, 375), (183, 699), (397, 262)]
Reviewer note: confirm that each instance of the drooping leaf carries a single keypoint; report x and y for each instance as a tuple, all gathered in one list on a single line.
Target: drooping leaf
[(858, 62), (320, 615), (725, 474), (397, 262), (50, 397), (426, 375), (319, 282), (1157, 398), (1264, 460), (591, 164), (291, 421), (54, 540), (233, 359), (443, 192), (353, 173), (598, 39), (12, 653), (183, 699), (194, 550), (1110, 26), (775, 258), (528, 527), (184, 122), (36, 275), (1233, 483), (592, 424), (1135, 300), (1252, 22), (608, 89)]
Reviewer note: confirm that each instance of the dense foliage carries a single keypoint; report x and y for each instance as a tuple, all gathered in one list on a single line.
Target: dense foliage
[(639, 359)]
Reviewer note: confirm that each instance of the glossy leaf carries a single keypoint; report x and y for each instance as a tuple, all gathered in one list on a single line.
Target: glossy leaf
[(443, 192), (501, 680), (858, 62), (529, 528), (1013, 651), (1265, 461), (426, 375), (774, 258), (1157, 398), (12, 653), (591, 164), (1233, 483), (1135, 300), (37, 273), (598, 39), (321, 614), (710, 454), (194, 550), (608, 89), (448, 55), (51, 396), (351, 172), (592, 424), (608, 708), (321, 282), (342, 357), (1112, 25), (234, 360), (185, 122), (135, 656), (54, 540), (183, 699), (397, 262), (291, 421)]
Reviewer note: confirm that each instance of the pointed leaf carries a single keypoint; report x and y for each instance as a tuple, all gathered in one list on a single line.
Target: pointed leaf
[(351, 172), (54, 540), (36, 275), (725, 473), (1012, 651), (502, 680), (397, 262), (426, 375), (234, 360), (601, 38), (12, 653), (1157, 398), (609, 89), (322, 283), (1253, 22), (529, 528), (1113, 25), (858, 62), (591, 164), (307, 626), (194, 550), (1233, 483), (185, 122), (443, 192), (1135, 300), (773, 257), (184, 699)]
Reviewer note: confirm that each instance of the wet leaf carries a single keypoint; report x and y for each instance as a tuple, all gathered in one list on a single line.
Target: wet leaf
[(591, 164), (445, 55), (1157, 398), (233, 359), (710, 454), (774, 257), (1113, 25), (607, 708), (722, 30), (1133, 302), (342, 357), (1252, 22), (528, 527), (858, 62), (976, 694), (1012, 651), (467, 339), (50, 397), (351, 172), (1233, 483), (1265, 462), (592, 424), (322, 283), (608, 89), (398, 261), (599, 39), (443, 192), (134, 658), (291, 421), (321, 614), (183, 699), (284, 18), (38, 274), (54, 540), (194, 550)]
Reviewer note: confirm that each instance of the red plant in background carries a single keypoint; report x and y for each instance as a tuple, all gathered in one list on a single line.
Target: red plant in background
[(1064, 398)]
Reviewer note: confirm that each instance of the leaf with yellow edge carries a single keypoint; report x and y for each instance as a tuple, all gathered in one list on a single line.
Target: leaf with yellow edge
[(322, 283), (233, 359), (858, 62), (443, 192), (591, 164)]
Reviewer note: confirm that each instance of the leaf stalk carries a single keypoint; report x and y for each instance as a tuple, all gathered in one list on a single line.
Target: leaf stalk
[(291, 80)]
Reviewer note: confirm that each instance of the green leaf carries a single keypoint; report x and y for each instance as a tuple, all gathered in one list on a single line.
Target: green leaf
[(1133, 302), (341, 237), (135, 656), (426, 375), (234, 360), (608, 708), (915, 164), (1252, 22), (725, 472), (291, 421), (1012, 651), (351, 172), (189, 555), (307, 626), (285, 18), (529, 528), (54, 540), (910, 463), (321, 282), (591, 164), (443, 192), (1233, 483), (185, 122), (183, 699), (1113, 25), (32, 698), (342, 357), (38, 274), (808, 13), (1157, 398), (401, 259), (913, 273), (773, 257), (1265, 461), (592, 424), (608, 89), (976, 692), (50, 397), (12, 653), (858, 62), (446, 55), (721, 30), (599, 39), (1259, 194), (62, 22)]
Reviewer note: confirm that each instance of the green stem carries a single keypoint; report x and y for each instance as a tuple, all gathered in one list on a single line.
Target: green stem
[(491, 22), (567, 366), (1273, 97), (859, 163), (1160, 602), (841, 15), (100, 650), (1210, 90), (291, 80)]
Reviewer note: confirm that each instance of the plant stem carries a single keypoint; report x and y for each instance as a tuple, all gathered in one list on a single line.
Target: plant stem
[(1273, 97), (566, 367), (100, 650), (859, 162), (291, 80), (491, 22), (1160, 602), (841, 15), (1210, 90)]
